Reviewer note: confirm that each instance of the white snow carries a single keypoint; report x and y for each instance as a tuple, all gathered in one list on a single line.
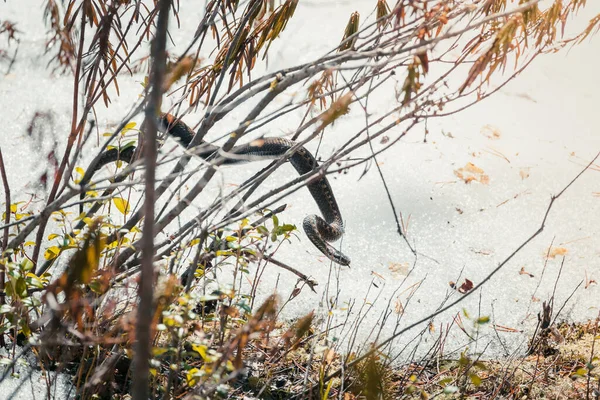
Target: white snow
[(546, 121)]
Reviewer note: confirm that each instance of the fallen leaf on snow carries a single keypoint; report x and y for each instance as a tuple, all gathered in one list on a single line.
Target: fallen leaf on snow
[(491, 132), (556, 251), (470, 172), (398, 307), (398, 269), (523, 272), (466, 286)]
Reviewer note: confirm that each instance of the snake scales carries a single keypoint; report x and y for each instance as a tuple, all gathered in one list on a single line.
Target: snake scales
[(319, 230)]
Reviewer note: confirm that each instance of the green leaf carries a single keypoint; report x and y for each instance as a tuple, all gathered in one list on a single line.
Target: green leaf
[(127, 145), (445, 381), (26, 265), (21, 288), (475, 379), (34, 281), (482, 320), (288, 227)]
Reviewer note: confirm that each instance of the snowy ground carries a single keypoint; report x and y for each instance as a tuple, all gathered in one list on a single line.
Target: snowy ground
[(531, 139)]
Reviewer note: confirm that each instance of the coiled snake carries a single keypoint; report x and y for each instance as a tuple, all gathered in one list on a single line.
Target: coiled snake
[(319, 230)]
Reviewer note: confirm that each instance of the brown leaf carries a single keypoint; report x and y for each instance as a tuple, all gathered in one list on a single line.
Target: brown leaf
[(523, 272), (470, 172), (398, 269), (424, 61), (467, 286), (491, 132), (431, 327), (398, 307), (329, 354), (556, 251)]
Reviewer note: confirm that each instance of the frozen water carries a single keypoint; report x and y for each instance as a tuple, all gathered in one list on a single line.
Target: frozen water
[(530, 139)]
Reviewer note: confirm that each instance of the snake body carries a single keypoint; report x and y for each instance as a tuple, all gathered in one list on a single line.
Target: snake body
[(319, 230)]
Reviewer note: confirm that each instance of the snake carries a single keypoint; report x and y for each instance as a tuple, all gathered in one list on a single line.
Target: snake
[(321, 231)]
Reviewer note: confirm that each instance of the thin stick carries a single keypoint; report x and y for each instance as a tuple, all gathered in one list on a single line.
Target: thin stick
[(6, 211), (5, 237)]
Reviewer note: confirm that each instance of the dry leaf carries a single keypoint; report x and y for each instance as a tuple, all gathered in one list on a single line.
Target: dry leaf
[(556, 251), (557, 335), (466, 286), (524, 173), (472, 168), (329, 354), (523, 272), (470, 172), (590, 283), (399, 269), (398, 307), (483, 252), (491, 132)]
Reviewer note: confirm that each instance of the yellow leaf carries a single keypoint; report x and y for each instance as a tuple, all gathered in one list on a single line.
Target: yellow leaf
[(128, 127), (200, 349), (192, 376), (80, 173), (29, 243), (52, 236), (122, 205), (51, 253)]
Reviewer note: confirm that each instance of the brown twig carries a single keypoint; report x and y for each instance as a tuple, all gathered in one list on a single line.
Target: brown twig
[(4, 237)]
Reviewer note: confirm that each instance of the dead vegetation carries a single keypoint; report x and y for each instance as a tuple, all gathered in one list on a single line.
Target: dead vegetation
[(190, 336)]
